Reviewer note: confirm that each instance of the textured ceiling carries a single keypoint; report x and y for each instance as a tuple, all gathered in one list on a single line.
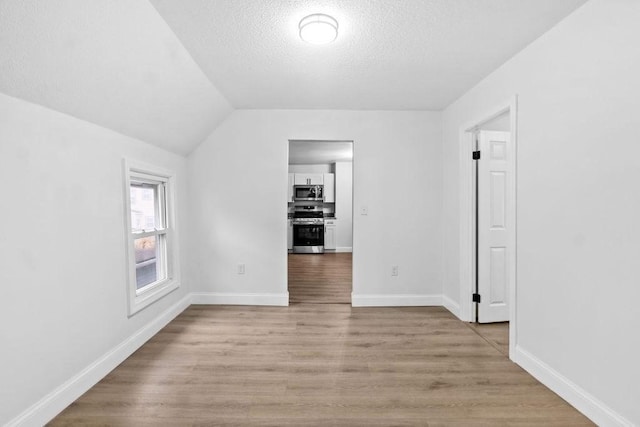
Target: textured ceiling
[(115, 63), (390, 54), (169, 71)]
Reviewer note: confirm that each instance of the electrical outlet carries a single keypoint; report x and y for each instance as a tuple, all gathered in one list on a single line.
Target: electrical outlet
[(394, 270), (364, 210), (240, 268)]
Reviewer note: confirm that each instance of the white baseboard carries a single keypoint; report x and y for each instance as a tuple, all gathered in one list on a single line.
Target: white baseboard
[(216, 298), (52, 404), (344, 249), (391, 300), (580, 399), (451, 305)]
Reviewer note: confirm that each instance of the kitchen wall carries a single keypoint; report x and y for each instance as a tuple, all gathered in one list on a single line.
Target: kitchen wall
[(323, 168), (63, 311), (578, 205), (238, 204)]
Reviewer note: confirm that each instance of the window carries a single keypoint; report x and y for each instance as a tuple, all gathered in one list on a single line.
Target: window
[(151, 251)]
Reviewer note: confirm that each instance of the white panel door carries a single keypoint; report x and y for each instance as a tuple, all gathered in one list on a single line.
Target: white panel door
[(495, 223)]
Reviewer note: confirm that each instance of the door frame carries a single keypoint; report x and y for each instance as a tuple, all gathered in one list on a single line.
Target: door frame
[(353, 212), (467, 214)]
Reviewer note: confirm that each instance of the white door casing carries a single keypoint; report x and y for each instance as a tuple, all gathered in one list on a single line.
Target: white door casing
[(495, 223), (290, 186)]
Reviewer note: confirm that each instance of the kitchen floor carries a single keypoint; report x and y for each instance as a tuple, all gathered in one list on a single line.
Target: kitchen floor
[(320, 278)]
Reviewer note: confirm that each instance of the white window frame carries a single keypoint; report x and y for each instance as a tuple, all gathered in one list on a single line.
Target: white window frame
[(169, 266)]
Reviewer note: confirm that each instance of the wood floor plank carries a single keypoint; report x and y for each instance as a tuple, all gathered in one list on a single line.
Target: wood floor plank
[(318, 365), (320, 278), (496, 334)]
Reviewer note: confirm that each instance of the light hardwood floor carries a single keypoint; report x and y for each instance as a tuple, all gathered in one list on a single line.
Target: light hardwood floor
[(318, 365), (496, 334), (321, 365), (320, 279)]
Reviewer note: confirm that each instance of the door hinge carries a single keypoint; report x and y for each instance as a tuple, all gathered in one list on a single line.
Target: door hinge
[(476, 155), (475, 298)]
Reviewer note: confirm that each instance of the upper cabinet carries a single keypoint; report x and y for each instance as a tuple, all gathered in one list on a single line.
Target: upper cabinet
[(309, 179), (329, 180)]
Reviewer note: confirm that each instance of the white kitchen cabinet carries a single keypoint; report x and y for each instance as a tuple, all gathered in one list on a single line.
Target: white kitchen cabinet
[(330, 234), (329, 189), (316, 179), (309, 179), (291, 183), (290, 235)]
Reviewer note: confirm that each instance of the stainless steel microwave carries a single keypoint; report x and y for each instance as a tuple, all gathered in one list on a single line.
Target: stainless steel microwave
[(308, 193)]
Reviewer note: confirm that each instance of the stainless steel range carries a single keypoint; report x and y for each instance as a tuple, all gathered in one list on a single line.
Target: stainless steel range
[(308, 229)]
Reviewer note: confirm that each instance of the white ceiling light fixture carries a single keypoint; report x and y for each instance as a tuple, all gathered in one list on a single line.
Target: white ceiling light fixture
[(318, 28)]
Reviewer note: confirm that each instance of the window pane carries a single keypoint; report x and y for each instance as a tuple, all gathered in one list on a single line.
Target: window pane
[(146, 261), (143, 207)]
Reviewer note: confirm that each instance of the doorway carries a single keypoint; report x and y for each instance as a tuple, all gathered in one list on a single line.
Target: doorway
[(320, 221), (488, 226)]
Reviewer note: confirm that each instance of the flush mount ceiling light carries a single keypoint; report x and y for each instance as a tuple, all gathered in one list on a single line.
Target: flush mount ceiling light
[(318, 28)]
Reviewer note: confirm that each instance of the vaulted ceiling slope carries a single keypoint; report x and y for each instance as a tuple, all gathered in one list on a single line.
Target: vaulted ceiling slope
[(114, 63), (169, 71), (389, 54)]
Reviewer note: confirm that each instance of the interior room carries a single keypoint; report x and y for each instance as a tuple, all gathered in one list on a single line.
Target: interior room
[(482, 231)]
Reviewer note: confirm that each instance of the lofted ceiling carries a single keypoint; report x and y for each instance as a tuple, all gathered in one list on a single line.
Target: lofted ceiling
[(114, 63), (169, 71), (389, 54)]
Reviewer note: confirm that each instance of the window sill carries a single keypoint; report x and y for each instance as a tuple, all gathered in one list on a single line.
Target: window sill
[(151, 295)]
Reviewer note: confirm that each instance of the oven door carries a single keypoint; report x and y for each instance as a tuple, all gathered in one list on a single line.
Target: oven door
[(308, 238)]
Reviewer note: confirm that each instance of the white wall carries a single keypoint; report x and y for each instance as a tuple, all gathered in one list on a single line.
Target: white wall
[(578, 204), (238, 201), (344, 205), (324, 168), (500, 123), (62, 248)]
